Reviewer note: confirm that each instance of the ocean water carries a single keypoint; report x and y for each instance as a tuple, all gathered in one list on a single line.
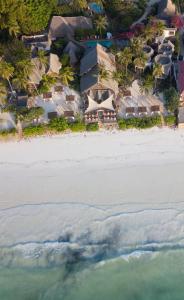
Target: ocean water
[(148, 276)]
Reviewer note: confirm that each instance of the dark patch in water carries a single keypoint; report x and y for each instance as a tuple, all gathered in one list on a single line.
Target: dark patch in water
[(65, 238)]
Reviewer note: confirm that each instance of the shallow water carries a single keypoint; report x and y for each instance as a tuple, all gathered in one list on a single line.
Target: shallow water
[(150, 276)]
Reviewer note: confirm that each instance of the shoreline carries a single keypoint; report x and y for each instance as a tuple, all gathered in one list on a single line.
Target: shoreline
[(15, 138), (123, 188)]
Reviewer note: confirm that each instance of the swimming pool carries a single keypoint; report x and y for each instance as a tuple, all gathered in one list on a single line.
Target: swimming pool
[(93, 43), (96, 8)]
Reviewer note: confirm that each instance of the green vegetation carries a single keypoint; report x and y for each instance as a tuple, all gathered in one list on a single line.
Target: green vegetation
[(82, 33), (16, 65), (46, 83), (77, 126), (139, 123), (58, 124), (171, 98), (92, 127), (31, 131), (28, 115), (170, 120), (25, 16), (8, 133), (124, 13), (101, 24)]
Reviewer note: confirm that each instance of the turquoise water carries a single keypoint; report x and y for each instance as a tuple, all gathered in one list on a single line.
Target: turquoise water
[(157, 276), (104, 43), (96, 7)]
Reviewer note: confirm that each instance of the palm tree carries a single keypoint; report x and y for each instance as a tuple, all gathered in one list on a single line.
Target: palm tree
[(117, 76), (140, 61), (146, 84), (159, 27), (43, 60), (25, 67), (157, 72), (13, 28), (3, 93), (137, 45), (66, 75), (101, 24), (6, 72), (20, 81), (149, 33), (126, 80), (125, 57), (79, 5), (103, 73)]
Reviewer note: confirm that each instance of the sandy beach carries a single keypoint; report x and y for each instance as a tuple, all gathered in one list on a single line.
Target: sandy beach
[(121, 188)]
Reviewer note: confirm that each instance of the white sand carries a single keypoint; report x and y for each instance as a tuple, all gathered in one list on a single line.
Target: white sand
[(125, 187)]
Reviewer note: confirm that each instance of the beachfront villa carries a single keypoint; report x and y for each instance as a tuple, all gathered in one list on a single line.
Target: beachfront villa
[(99, 92)]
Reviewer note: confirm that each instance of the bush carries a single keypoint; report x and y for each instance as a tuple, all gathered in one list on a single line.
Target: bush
[(58, 124), (4, 133), (92, 127), (81, 33), (139, 123), (170, 120), (171, 98), (34, 130), (77, 126)]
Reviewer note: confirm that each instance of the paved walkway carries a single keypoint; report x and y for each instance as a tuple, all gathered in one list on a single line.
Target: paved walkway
[(147, 11)]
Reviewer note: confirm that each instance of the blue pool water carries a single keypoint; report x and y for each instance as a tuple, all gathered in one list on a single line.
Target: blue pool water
[(104, 43), (96, 8)]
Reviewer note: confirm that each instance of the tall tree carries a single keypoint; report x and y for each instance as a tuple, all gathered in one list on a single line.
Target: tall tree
[(25, 16), (3, 93), (171, 98), (101, 23), (79, 5), (66, 75), (43, 60), (12, 15), (146, 84), (157, 71), (140, 61), (117, 76), (125, 58), (103, 72), (137, 45), (6, 72)]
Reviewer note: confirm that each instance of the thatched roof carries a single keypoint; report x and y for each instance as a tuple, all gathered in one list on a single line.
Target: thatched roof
[(66, 26), (38, 71), (54, 64), (166, 9), (89, 69), (72, 50)]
